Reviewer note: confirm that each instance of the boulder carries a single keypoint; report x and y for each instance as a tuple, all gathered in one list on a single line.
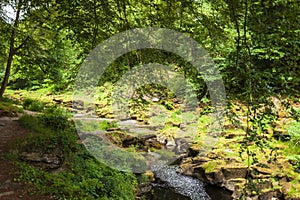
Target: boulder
[(216, 177), (182, 145)]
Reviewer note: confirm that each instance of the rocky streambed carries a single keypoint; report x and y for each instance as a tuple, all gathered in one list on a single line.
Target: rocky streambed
[(223, 174)]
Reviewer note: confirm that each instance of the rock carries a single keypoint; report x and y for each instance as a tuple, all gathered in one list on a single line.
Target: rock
[(4, 113), (199, 172), (234, 171), (193, 150), (216, 154), (234, 184), (218, 193), (145, 188), (147, 137), (263, 170), (182, 145), (174, 124), (171, 143), (281, 134), (113, 129), (215, 177), (155, 99), (187, 170), (178, 160), (6, 193), (144, 191), (200, 160), (163, 138), (115, 137), (153, 143), (130, 140), (134, 117), (267, 195), (68, 103), (230, 135), (45, 161)]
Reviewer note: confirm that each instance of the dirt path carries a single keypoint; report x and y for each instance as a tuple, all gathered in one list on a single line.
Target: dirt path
[(10, 130)]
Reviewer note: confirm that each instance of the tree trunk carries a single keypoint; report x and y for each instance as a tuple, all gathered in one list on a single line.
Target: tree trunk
[(11, 50)]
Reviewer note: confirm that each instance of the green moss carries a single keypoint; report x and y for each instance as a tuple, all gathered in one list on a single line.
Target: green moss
[(213, 165)]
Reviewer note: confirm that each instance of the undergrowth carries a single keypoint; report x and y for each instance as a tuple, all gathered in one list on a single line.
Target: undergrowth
[(80, 176)]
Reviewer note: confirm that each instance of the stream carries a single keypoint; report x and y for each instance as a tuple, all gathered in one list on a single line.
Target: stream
[(169, 184), (174, 186)]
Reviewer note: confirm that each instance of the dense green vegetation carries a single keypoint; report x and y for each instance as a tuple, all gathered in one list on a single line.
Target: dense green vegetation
[(82, 176), (254, 44), (249, 40)]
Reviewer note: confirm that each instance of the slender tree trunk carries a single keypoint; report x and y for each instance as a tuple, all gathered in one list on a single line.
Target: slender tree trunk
[(11, 50)]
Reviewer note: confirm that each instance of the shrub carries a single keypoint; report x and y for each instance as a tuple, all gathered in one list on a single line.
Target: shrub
[(294, 131), (33, 105)]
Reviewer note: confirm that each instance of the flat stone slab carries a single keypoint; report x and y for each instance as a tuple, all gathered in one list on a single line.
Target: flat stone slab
[(6, 193)]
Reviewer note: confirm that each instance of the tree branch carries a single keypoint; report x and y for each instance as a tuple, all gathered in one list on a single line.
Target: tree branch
[(22, 44)]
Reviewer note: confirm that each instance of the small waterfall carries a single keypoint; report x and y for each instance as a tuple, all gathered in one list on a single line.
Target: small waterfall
[(184, 186)]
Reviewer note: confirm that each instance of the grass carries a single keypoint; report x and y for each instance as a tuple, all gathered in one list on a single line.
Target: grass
[(93, 125), (33, 105), (9, 107)]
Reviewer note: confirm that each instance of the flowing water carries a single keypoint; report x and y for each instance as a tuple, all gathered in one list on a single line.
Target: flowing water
[(175, 186), (172, 185)]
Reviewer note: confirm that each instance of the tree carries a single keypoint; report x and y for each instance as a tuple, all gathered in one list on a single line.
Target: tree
[(12, 48)]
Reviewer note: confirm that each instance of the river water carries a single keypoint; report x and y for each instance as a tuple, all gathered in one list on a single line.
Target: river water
[(175, 186)]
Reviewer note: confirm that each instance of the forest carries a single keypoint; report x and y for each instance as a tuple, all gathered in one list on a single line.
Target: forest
[(162, 99)]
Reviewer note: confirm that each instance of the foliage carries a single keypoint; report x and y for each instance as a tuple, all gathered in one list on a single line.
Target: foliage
[(9, 106), (294, 131), (83, 176), (255, 44), (89, 126), (33, 104), (54, 41)]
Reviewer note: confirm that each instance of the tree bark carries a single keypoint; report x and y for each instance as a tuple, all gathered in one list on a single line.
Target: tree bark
[(11, 50)]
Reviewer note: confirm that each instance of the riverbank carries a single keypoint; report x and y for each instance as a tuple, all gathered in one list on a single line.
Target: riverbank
[(265, 166)]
